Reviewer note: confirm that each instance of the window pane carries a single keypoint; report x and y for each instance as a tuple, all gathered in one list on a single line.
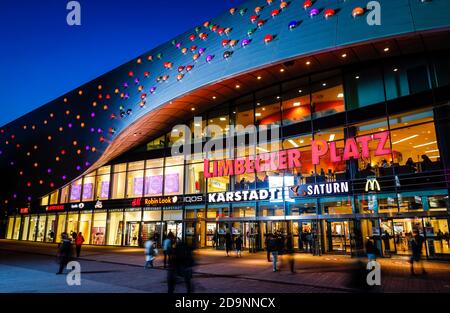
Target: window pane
[(267, 108), (115, 228), (195, 181), (327, 94), (99, 229), (296, 101), (118, 188), (102, 188), (88, 188), (364, 87), (173, 180), (75, 191), (135, 184), (154, 182)]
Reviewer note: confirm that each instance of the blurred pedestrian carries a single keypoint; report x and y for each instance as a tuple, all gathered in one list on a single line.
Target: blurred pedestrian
[(167, 248), (238, 245), (180, 264), (228, 242), (150, 253), (268, 238), (274, 247), (371, 250), (416, 246), (79, 240), (64, 252)]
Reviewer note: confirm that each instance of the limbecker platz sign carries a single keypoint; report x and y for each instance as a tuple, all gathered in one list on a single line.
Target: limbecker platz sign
[(281, 160)]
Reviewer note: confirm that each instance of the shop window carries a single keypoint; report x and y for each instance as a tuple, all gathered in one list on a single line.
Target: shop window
[(213, 212), (189, 213), (414, 143), (9, 234), (135, 183), (119, 175), (88, 187), (41, 228), (75, 191), (152, 216), (102, 188), (115, 228), (98, 228), (154, 163), (378, 203), (153, 181), (195, 181), (54, 198), (437, 234), (132, 222), (157, 143), (61, 227), (72, 224), (44, 200), (26, 224), (329, 170), (268, 106), (405, 76), (33, 228), (16, 232), (296, 105), (65, 194), (173, 180), (336, 206), (327, 94), (50, 235), (363, 87), (85, 225)]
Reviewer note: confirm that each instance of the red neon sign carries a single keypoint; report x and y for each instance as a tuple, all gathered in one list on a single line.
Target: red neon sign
[(55, 208), (24, 211)]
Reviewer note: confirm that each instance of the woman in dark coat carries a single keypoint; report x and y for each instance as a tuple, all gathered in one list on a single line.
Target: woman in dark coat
[(228, 241)]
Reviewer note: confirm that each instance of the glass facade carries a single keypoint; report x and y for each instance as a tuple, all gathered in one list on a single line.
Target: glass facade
[(352, 111)]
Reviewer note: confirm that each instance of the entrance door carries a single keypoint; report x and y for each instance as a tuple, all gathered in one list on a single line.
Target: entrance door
[(132, 234), (338, 236), (176, 228), (388, 238), (302, 231), (404, 231), (211, 235), (249, 232), (149, 229)]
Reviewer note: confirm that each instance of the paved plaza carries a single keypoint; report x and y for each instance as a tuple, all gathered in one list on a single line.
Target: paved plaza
[(31, 267)]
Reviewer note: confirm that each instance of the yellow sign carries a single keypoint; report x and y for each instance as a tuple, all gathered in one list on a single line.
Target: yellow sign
[(372, 184)]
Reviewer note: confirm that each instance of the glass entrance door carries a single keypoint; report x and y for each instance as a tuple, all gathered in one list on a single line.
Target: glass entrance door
[(132, 234), (176, 228), (151, 231), (337, 236), (403, 232), (437, 236)]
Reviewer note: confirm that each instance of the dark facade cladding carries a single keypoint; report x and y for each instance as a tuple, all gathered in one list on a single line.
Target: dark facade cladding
[(362, 113)]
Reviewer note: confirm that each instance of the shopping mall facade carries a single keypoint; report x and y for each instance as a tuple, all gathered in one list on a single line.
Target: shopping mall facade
[(358, 118)]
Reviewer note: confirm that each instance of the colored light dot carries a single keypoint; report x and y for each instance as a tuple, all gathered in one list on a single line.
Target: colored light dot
[(65, 100), (69, 125), (52, 115), (24, 126), (49, 137), (33, 127), (28, 153), (41, 182), (78, 151), (99, 87), (74, 142), (64, 177), (93, 149), (87, 164), (92, 114), (57, 159), (105, 107), (61, 129), (99, 130), (21, 173), (29, 198), (35, 164), (49, 170), (82, 125), (45, 122), (28, 184), (80, 92), (63, 152), (52, 185), (78, 117), (78, 167), (94, 104), (67, 112)]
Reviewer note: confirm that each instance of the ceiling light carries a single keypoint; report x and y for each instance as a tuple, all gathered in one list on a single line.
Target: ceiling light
[(262, 149), (192, 109), (259, 77), (238, 86), (386, 49), (258, 103), (292, 142), (264, 109), (430, 151), (340, 95), (324, 84), (257, 114), (404, 139), (281, 70), (331, 137), (300, 91), (357, 77), (302, 141), (425, 144), (278, 97), (308, 62), (214, 97), (344, 55), (395, 69), (174, 130), (297, 104), (197, 125), (223, 118)]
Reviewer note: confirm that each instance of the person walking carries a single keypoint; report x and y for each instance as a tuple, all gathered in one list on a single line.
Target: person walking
[(228, 241), (150, 253), (371, 250), (167, 249), (238, 245), (79, 240), (180, 264), (64, 252), (416, 246), (274, 249)]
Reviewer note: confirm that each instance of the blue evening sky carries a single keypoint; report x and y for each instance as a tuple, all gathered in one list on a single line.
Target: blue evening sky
[(41, 57)]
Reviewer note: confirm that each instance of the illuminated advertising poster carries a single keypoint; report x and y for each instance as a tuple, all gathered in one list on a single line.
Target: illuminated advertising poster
[(153, 185), (171, 184)]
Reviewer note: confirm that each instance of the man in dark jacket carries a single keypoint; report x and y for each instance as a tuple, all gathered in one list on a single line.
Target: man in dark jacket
[(180, 264), (64, 252)]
